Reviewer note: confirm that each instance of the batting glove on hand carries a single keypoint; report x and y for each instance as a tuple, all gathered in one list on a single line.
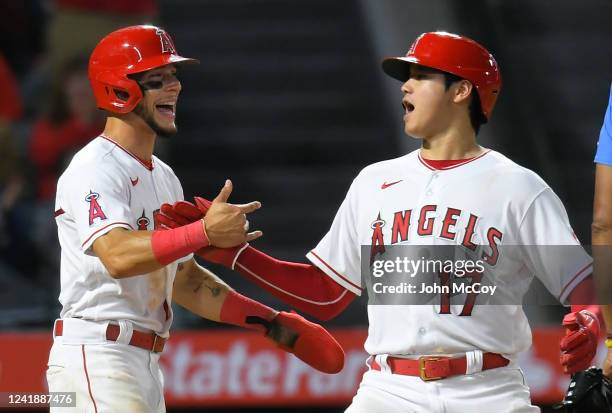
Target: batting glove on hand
[(579, 345), (308, 341), (183, 213), (178, 214)]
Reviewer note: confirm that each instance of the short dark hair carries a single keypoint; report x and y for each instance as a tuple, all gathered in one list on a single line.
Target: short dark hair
[(477, 118)]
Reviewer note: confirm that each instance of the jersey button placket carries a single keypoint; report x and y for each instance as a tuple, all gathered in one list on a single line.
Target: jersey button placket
[(431, 185)]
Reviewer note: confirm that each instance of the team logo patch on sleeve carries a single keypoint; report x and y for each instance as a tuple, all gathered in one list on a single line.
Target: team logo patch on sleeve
[(95, 210)]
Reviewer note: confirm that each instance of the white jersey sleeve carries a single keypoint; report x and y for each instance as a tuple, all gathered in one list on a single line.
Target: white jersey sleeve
[(552, 251), (338, 254), (98, 200)]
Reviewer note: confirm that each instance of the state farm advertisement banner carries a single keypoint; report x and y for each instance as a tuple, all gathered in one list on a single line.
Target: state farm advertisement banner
[(234, 368), (246, 369)]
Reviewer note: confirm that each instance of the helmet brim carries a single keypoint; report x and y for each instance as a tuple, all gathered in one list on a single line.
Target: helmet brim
[(399, 67), (159, 61)]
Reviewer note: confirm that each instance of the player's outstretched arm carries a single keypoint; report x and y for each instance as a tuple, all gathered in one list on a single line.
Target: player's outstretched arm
[(203, 293), (302, 286), (199, 290), (127, 253), (601, 237)]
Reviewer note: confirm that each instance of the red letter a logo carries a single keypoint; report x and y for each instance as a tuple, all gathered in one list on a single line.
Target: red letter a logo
[(95, 211), (166, 43), (378, 242)]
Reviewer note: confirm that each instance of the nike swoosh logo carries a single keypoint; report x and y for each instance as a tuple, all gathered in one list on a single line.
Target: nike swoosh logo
[(134, 181), (387, 185)]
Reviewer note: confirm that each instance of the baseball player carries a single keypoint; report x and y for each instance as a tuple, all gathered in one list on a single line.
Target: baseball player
[(438, 357), (590, 390), (120, 270), (602, 226)]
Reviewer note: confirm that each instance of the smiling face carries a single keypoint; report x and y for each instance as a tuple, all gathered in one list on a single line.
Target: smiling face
[(157, 108), (428, 104)]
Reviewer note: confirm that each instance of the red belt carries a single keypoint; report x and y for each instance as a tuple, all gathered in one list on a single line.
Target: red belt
[(439, 367), (148, 341)]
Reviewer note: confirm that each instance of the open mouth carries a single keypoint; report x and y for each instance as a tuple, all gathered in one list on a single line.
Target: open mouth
[(408, 107), (166, 109)]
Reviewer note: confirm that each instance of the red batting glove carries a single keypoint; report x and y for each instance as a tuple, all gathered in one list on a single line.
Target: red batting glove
[(168, 219), (178, 214), (203, 204), (579, 345), (308, 341), (183, 213)]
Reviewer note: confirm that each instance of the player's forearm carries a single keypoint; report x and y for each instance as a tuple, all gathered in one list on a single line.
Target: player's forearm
[(602, 277), (601, 228), (606, 312), (302, 286), (203, 293), (601, 238), (128, 253), (200, 291), (601, 231)]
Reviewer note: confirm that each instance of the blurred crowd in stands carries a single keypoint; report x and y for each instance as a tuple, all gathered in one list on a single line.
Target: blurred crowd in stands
[(47, 113)]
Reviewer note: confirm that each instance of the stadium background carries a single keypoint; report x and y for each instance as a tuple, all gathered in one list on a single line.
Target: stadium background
[(290, 103)]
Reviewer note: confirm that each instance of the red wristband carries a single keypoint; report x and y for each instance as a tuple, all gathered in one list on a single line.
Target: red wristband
[(236, 308), (170, 245)]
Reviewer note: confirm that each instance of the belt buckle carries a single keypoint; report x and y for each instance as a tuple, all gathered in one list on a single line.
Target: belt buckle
[(154, 343), (422, 373)]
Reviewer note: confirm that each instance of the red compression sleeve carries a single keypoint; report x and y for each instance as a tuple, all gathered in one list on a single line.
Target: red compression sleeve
[(236, 308), (170, 245), (302, 286)]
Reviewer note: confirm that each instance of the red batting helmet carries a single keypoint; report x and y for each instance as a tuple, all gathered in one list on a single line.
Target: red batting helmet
[(126, 51), (454, 54)]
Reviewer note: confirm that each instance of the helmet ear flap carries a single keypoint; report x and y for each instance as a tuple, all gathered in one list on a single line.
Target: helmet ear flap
[(116, 93)]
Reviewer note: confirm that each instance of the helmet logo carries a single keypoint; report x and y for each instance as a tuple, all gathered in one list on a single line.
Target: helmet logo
[(411, 50), (166, 43)]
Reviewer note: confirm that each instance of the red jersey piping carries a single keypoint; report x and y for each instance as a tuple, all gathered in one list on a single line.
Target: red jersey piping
[(87, 377), (334, 271), (147, 164), (578, 274), (118, 224), (466, 161)]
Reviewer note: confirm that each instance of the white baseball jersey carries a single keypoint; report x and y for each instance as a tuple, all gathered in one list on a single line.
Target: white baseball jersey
[(487, 201), (107, 187)]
